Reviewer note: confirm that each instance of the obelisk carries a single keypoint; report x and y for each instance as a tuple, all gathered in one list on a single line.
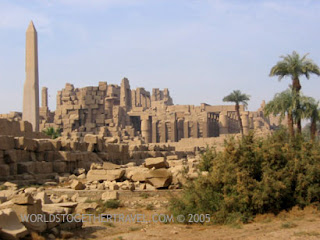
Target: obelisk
[(31, 85)]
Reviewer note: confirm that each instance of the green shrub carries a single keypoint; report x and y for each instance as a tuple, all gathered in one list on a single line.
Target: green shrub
[(111, 204), (253, 175), (207, 159), (150, 206)]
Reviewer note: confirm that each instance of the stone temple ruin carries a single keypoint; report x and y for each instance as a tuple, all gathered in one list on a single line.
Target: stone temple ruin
[(116, 141), (111, 110)]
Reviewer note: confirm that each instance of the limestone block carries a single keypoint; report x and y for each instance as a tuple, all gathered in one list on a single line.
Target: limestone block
[(44, 145), (25, 126), (6, 142), (110, 166), (159, 178), (23, 199), (59, 166), (89, 138), (173, 157), (43, 167), (110, 175), (26, 167), (11, 228), (26, 144), (43, 197), (110, 195), (159, 162), (35, 208), (10, 156), (84, 207), (4, 170), (77, 185), (137, 174)]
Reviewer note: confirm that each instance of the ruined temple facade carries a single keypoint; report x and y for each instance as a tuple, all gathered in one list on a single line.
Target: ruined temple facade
[(111, 110)]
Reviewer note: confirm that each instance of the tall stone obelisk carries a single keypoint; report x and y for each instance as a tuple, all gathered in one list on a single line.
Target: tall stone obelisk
[(31, 85)]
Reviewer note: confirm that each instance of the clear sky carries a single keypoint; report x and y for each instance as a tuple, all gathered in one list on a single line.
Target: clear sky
[(200, 50)]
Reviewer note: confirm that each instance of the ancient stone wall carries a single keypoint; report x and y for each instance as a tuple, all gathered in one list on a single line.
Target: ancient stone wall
[(118, 111)]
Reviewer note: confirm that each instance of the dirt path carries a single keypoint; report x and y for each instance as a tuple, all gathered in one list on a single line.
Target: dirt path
[(296, 224)]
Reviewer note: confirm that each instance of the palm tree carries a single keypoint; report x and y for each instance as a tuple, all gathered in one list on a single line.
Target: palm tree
[(310, 110), (294, 66), (51, 132), (237, 97), (281, 105)]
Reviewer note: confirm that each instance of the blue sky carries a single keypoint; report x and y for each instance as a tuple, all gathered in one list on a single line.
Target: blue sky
[(200, 50)]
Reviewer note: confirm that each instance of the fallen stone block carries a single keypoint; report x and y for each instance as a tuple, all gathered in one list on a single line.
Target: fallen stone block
[(159, 162), (23, 199), (101, 175), (77, 185), (110, 166), (110, 195), (159, 178), (11, 228)]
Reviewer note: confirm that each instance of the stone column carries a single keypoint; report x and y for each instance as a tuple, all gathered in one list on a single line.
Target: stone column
[(223, 123), (186, 129), (180, 128), (163, 131), (245, 122), (31, 85), (251, 125), (173, 124), (133, 98), (125, 95), (145, 130), (205, 132), (195, 129), (154, 131), (44, 97)]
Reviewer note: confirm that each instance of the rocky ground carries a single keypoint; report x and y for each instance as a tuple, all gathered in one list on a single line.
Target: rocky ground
[(131, 202), (293, 225)]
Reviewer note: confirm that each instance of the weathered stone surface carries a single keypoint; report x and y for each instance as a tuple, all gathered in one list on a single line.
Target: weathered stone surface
[(31, 85), (23, 199), (44, 145), (110, 175), (6, 143), (110, 195), (85, 207), (4, 171), (77, 185), (89, 138), (44, 167), (43, 198), (11, 228), (10, 156), (172, 157), (11, 186), (25, 209), (110, 166), (137, 174), (159, 178), (59, 166), (158, 162), (26, 144)]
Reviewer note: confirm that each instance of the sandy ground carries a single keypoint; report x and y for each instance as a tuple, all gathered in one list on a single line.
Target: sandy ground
[(296, 224)]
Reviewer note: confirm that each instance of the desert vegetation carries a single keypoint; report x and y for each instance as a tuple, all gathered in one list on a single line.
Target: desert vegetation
[(254, 176)]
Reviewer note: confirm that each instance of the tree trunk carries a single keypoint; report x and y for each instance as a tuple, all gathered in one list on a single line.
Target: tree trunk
[(296, 87), (290, 125), (313, 128), (296, 84), (239, 117)]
